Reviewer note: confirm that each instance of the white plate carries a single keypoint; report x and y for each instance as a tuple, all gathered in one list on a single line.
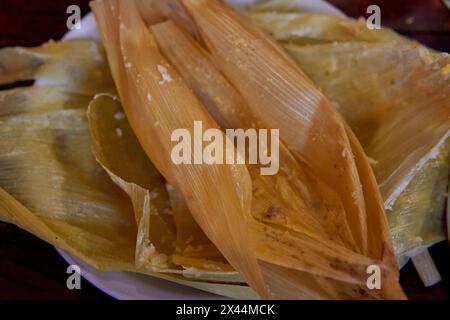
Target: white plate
[(131, 286)]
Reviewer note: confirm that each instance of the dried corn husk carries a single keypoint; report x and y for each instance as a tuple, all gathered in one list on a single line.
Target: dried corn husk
[(416, 200), (229, 109), (315, 28), (168, 237), (225, 103), (60, 193), (118, 151), (51, 185), (300, 110), (155, 108), (48, 64), (279, 6), (411, 165)]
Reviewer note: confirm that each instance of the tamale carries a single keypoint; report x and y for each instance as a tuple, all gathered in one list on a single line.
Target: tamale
[(411, 165), (230, 111), (154, 106), (198, 73), (315, 28), (59, 191)]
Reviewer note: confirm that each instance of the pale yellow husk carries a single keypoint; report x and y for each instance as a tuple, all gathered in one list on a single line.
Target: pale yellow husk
[(51, 184), (386, 87), (272, 250)]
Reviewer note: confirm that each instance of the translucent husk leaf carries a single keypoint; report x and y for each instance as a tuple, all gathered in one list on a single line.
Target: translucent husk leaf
[(103, 256), (270, 68), (193, 250), (417, 217), (46, 99), (48, 65), (266, 77), (168, 237), (51, 185), (155, 108), (61, 194), (314, 28), (279, 6), (118, 151), (411, 165), (225, 103), (390, 96)]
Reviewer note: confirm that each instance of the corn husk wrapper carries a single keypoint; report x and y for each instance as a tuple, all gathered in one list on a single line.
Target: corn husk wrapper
[(47, 64), (315, 28), (169, 238), (228, 108), (281, 6), (415, 200), (315, 251), (411, 165), (343, 253), (391, 93), (119, 152), (52, 186), (193, 71), (45, 151), (156, 106)]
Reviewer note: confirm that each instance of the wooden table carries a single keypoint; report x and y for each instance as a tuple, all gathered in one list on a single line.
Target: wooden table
[(31, 269)]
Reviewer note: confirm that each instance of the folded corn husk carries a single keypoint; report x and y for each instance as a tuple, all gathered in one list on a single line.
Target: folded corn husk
[(271, 251), (415, 191), (48, 65), (315, 28), (51, 185), (154, 90), (168, 238), (118, 151), (281, 275), (394, 98), (44, 150), (229, 108), (155, 108)]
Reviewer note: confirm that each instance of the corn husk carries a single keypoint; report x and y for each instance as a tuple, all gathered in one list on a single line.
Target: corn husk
[(118, 151), (279, 6), (52, 186), (169, 240), (155, 108), (294, 261), (229, 109), (315, 28), (411, 165), (48, 65), (199, 72), (44, 150)]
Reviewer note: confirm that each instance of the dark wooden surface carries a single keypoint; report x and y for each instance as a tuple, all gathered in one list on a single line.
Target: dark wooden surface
[(32, 269)]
